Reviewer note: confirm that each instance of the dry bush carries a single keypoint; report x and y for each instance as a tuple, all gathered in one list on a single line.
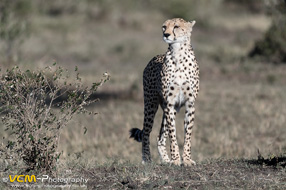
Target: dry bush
[(36, 106)]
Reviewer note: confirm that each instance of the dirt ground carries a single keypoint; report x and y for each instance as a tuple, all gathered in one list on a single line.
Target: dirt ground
[(211, 174)]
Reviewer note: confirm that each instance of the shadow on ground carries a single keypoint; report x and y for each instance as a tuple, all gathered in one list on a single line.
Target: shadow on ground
[(275, 161)]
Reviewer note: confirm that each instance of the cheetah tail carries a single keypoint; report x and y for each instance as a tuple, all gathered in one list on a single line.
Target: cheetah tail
[(136, 134)]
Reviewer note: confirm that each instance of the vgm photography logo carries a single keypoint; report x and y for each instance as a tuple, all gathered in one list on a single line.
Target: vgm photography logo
[(44, 181), (44, 178)]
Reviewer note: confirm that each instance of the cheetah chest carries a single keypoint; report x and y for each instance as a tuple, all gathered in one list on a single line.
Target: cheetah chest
[(179, 86)]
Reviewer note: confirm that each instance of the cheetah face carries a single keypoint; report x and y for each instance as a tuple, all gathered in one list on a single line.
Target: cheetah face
[(177, 30)]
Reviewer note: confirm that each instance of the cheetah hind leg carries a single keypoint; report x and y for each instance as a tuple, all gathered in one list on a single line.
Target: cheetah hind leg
[(162, 142), (150, 110)]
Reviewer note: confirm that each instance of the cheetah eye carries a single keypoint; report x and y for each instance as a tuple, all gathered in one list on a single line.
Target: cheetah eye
[(163, 28), (175, 27)]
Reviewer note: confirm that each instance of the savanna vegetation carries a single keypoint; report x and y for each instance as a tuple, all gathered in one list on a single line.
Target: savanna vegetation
[(239, 139)]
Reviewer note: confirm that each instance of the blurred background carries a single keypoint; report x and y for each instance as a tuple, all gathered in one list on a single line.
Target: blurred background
[(240, 46)]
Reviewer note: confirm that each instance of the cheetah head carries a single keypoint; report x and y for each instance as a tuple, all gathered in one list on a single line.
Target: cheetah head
[(177, 30)]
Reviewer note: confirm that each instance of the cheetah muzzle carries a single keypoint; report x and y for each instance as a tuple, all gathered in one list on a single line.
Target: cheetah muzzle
[(170, 80)]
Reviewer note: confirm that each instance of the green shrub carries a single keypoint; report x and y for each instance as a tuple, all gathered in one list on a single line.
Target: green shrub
[(273, 45), (36, 106)]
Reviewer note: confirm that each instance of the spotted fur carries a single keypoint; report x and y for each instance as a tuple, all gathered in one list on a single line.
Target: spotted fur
[(170, 80)]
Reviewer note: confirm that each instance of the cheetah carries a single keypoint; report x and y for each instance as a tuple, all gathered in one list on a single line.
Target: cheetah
[(170, 80)]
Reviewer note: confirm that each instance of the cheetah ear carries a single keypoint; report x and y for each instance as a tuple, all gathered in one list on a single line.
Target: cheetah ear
[(192, 23)]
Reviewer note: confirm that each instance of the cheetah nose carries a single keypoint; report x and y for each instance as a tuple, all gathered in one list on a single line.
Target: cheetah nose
[(167, 35)]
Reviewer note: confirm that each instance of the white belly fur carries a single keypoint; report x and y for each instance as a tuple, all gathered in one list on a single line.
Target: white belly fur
[(179, 100)]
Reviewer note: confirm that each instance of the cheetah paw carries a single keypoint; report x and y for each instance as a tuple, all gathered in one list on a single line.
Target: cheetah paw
[(189, 162), (176, 162)]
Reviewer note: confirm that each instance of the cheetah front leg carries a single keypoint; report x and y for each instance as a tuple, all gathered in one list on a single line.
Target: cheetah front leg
[(162, 141), (189, 123), (170, 113)]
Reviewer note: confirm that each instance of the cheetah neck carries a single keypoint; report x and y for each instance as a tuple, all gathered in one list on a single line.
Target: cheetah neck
[(177, 52)]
